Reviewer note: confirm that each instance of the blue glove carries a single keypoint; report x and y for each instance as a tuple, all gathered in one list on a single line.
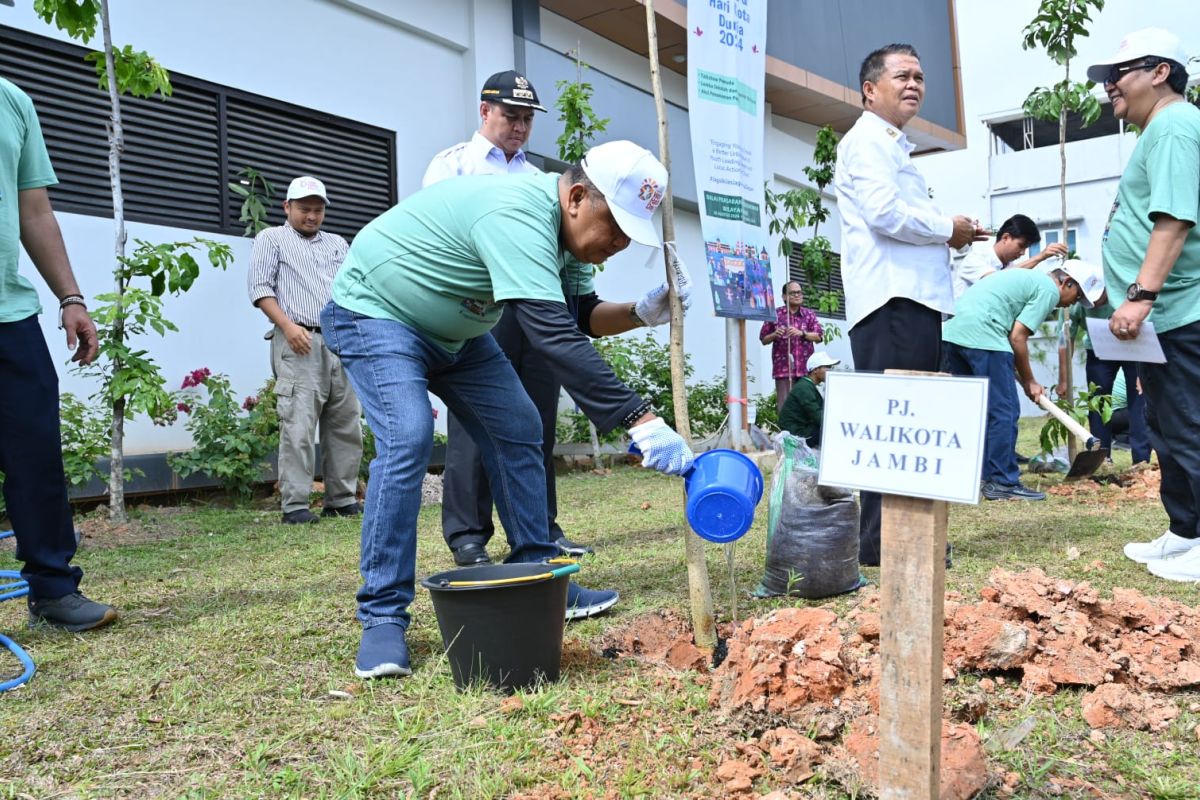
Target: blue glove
[(662, 448)]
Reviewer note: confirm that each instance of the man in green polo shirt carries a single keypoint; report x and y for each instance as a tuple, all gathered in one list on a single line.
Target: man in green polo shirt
[(988, 337), (412, 306), (30, 441), (1151, 251)]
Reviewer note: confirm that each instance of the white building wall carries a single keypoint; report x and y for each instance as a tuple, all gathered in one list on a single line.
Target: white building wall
[(411, 67)]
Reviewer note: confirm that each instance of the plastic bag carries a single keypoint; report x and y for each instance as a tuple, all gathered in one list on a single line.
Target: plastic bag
[(812, 530)]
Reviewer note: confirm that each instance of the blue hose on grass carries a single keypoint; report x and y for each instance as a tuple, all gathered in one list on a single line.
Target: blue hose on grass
[(12, 585)]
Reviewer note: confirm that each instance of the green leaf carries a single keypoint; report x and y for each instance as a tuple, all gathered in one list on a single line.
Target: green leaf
[(77, 18)]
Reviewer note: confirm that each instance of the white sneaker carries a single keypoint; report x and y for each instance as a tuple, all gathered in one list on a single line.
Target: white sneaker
[(1165, 546), (1184, 567)]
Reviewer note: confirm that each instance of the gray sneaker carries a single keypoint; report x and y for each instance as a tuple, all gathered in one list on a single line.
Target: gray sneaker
[(74, 613), (1017, 491)]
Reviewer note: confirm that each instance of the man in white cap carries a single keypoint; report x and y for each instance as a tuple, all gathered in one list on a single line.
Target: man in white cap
[(1151, 252), (804, 410), (989, 337), (423, 285), (292, 267)]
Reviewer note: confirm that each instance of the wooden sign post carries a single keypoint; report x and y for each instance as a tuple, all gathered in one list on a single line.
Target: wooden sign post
[(918, 439), (912, 589)]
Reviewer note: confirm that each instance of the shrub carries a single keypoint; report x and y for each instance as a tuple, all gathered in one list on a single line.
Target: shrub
[(85, 440), (231, 440)]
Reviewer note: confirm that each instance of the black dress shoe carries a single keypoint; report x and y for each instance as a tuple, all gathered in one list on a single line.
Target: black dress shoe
[(471, 555), (352, 510), (569, 548)]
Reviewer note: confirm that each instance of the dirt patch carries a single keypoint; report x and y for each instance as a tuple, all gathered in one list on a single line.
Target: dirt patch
[(963, 765), (819, 673), (1141, 482), (661, 637), (164, 524)]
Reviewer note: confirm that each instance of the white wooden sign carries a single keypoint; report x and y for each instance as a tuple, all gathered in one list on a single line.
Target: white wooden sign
[(913, 435)]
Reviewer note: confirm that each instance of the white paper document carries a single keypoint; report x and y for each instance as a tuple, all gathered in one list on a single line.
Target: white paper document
[(1109, 348)]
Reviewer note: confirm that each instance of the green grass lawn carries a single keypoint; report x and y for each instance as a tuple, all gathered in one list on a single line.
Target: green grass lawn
[(235, 629)]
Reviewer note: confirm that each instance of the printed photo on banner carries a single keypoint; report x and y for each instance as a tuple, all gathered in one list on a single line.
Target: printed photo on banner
[(740, 278)]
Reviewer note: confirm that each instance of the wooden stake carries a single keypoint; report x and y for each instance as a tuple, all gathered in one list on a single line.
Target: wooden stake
[(745, 384), (703, 627), (912, 588)]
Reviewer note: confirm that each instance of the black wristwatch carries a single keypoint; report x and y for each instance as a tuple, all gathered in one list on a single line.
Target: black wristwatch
[(1135, 292)]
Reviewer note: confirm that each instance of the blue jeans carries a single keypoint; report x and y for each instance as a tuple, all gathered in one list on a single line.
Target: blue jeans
[(391, 367), (1003, 406), (1104, 374)]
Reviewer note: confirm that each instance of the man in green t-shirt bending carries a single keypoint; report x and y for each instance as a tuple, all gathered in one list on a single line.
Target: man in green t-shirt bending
[(412, 308), (989, 337)]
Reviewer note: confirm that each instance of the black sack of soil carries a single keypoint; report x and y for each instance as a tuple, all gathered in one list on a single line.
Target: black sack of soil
[(812, 542)]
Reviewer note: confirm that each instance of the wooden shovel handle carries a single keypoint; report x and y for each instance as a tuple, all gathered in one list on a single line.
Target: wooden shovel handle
[(1074, 427)]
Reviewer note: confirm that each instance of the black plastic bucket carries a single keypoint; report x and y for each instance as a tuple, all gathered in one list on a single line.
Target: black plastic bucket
[(507, 635)]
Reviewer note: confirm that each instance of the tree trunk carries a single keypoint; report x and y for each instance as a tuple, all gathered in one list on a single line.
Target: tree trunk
[(1069, 372), (595, 444), (116, 145), (703, 627)]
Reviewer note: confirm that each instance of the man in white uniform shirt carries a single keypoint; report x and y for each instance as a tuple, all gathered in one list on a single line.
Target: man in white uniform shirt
[(895, 242), (507, 104), (291, 273)]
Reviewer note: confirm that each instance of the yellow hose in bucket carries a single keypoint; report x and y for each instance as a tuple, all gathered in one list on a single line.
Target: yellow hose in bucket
[(570, 567)]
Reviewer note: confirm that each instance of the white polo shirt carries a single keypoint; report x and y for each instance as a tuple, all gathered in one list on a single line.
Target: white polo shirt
[(477, 156), (893, 236)]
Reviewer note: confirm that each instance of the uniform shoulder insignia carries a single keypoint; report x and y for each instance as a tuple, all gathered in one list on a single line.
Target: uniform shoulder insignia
[(892, 132)]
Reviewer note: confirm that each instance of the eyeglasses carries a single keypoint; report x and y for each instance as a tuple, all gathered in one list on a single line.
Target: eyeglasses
[(795, 291), (1116, 73)]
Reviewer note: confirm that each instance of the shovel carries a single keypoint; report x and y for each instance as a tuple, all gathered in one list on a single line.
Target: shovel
[(1092, 456)]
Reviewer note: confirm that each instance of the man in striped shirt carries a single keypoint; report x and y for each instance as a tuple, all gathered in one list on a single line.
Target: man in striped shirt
[(291, 273)]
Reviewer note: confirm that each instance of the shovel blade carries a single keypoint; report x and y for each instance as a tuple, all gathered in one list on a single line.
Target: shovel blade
[(1086, 463)]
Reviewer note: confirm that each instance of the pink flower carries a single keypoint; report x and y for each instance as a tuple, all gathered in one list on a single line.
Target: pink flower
[(434, 412), (184, 407), (249, 403), (196, 377)]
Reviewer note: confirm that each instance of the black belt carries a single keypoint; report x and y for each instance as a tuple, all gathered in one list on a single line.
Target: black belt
[(311, 328)]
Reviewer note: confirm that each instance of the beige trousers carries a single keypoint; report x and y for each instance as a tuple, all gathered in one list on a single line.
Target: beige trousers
[(313, 392)]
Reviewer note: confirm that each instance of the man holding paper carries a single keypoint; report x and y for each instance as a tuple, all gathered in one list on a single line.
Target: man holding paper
[(1151, 246)]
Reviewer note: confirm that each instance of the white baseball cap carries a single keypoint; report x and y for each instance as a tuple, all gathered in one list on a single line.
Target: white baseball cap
[(1147, 42), (821, 359), (306, 186), (633, 182), (1090, 280)]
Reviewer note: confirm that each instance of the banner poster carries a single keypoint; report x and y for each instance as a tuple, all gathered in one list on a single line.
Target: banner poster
[(727, 42)]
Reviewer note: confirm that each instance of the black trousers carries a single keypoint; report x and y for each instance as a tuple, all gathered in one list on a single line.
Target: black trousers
[(35, 487), (1172, 392), (1104, 374), (466, 496), (901, 334)]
